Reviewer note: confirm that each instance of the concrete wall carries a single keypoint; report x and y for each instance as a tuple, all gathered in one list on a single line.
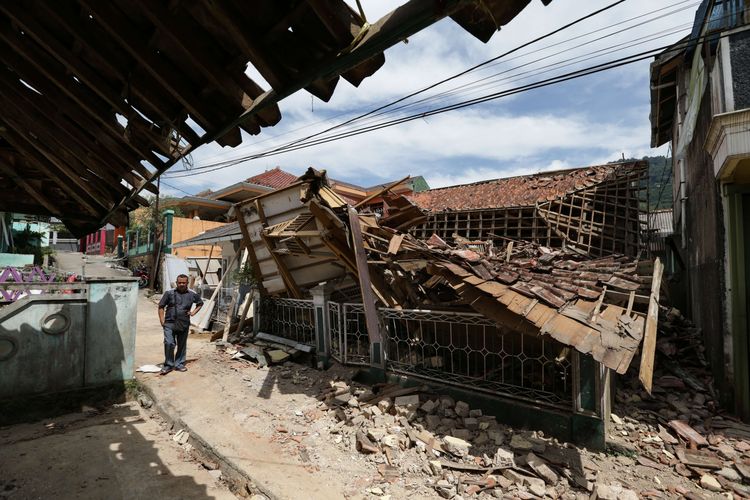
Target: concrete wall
[(64, 341), (184, 228), (705, 250), (110, 330), (738, 53)]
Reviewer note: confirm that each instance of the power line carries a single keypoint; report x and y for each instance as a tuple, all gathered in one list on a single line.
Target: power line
[(300, 144), (543, 83), (473, 68)]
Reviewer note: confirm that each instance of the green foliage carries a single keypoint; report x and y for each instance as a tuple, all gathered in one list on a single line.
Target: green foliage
[(244, 275), (659, 181), (29, 242), (148, 218)]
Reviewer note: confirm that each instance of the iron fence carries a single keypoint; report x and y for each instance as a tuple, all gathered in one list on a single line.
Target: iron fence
[(293, 319), (356, 343), (223, 302), (462, 349), (470, 350), (336, 333)]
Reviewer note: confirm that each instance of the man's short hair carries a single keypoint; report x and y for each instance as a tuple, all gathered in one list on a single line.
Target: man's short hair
[(181, 276)]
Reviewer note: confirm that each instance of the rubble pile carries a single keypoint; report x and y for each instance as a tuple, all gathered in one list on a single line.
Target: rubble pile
[(460, 451), (680, 427), (553, 276)]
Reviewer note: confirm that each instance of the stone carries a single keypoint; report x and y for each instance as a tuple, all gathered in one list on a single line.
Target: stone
[(456, 446), (429, 406), (607, 492), (216, 474), (376, 434), (432, 421), (515, 477), (709, 483), (729, 473), (471, 424), (384, 405), (744, 470), (145, 401), (726, 451), (615, 419), (448, 423), (464, 434), (502, 481), (482, 438), (503, 458), (497, 437), (521, 444), (376, 491), (462, 409), (375, 411), (541, 469), (447, 402), (412, 400), (391, 441), (536, 486), (436, 467), (743, 446), (445, 489), (475, 413), (626, 494)]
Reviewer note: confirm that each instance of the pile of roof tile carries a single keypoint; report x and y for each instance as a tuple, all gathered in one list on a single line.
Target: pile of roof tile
[(589, 304)]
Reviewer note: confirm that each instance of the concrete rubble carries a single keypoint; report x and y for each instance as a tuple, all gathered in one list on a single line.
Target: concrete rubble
[(411, 428)]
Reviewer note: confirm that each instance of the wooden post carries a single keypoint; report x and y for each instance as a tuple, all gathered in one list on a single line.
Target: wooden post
[(649, 337), (248, 243), (368, 299)]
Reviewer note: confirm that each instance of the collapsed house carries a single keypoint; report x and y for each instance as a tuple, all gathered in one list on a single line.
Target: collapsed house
[(520, 320), (593, 210)]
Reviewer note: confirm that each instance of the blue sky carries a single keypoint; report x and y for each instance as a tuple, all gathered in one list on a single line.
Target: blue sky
[(581, 122)]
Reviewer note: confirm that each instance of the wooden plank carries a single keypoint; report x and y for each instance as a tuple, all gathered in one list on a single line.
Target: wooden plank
[(286, 275), (10, 171), (381, 192), (688, 433), (365, 285), (248, 244), (648, 351), (50, 165), (395, 244)]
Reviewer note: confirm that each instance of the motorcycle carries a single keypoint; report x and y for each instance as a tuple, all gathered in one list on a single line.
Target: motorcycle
[(143, 276)]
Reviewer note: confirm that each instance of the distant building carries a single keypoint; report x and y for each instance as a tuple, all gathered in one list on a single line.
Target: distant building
[(700, 104)]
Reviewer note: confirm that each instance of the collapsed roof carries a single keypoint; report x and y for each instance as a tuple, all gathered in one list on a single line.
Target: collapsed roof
[(100, 98), (306, 234)]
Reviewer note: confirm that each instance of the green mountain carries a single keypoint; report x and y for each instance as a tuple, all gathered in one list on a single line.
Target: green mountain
[(659, 182)]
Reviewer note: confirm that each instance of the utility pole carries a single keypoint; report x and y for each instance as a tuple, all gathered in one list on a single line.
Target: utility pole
[(157, 241)]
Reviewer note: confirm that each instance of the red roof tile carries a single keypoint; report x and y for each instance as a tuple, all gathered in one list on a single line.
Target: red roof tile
[(516, 191), (274, 178)]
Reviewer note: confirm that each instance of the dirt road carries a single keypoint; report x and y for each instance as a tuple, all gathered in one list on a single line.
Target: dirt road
[(120, 452)]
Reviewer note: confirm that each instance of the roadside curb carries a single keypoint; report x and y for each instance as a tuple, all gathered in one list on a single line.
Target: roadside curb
[(239, 481)]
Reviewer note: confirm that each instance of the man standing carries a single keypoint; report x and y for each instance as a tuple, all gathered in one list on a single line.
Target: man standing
[(174, 313)]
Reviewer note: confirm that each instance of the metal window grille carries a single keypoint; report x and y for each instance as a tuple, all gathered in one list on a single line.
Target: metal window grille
[(469, 350), (223, 303), (356, 343), (335, 333), (292, 319)]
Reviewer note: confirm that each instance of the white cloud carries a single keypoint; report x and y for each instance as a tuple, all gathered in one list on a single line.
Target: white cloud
[(585, 121)]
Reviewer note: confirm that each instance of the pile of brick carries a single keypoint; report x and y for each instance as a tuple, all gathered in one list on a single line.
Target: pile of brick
[(461, 451)]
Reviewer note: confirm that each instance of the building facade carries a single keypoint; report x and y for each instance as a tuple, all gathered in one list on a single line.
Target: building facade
[(700, 105)]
